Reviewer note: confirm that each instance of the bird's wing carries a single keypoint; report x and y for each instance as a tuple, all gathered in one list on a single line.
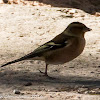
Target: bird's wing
[(49, 46), (58, 42)]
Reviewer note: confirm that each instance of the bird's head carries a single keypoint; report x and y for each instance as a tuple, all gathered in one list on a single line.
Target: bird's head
[(76, 29)]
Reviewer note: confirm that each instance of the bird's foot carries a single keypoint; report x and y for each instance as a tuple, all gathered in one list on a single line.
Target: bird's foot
[(45, 74)]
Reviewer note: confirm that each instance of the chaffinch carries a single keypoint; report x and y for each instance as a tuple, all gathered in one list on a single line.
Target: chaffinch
[(61, 49)]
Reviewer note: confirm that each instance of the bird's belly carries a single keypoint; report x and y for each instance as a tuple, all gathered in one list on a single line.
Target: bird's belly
[(61, 58), (64, 55)]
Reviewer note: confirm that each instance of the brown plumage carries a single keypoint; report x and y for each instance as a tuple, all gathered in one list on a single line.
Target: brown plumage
[(61, 49)]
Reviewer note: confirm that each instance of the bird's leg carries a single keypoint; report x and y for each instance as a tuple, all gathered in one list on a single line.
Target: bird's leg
[(45, 73), (46, 68)]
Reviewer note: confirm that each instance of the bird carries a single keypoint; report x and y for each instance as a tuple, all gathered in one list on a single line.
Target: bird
[(63, 48)]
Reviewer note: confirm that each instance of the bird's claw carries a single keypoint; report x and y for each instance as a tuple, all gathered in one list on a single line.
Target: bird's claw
[(45, 74)]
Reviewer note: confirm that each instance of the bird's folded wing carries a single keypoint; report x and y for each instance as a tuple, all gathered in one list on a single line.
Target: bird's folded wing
[(50, 46), (58, 42)]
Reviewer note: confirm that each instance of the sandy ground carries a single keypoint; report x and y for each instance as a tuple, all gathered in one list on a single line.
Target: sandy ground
[(24, 28)]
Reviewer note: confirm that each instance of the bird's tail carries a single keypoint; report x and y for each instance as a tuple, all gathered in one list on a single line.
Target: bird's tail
[(26, 57), (11, 62)]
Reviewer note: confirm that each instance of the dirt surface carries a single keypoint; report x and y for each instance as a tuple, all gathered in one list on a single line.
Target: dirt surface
[(24, 28)]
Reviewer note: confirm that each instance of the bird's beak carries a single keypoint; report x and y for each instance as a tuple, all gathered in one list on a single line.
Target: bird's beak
[(87, 29)]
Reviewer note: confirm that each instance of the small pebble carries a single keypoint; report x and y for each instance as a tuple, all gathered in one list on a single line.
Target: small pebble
[(73, 11), (71, 67), (92, 72), (99, 66), (28, 84), (16, 92)]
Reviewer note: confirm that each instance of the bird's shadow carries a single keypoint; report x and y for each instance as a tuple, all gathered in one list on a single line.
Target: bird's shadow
[(59, 83)]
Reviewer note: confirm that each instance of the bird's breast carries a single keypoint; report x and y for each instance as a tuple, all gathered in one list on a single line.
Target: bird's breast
[(67, 53)]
